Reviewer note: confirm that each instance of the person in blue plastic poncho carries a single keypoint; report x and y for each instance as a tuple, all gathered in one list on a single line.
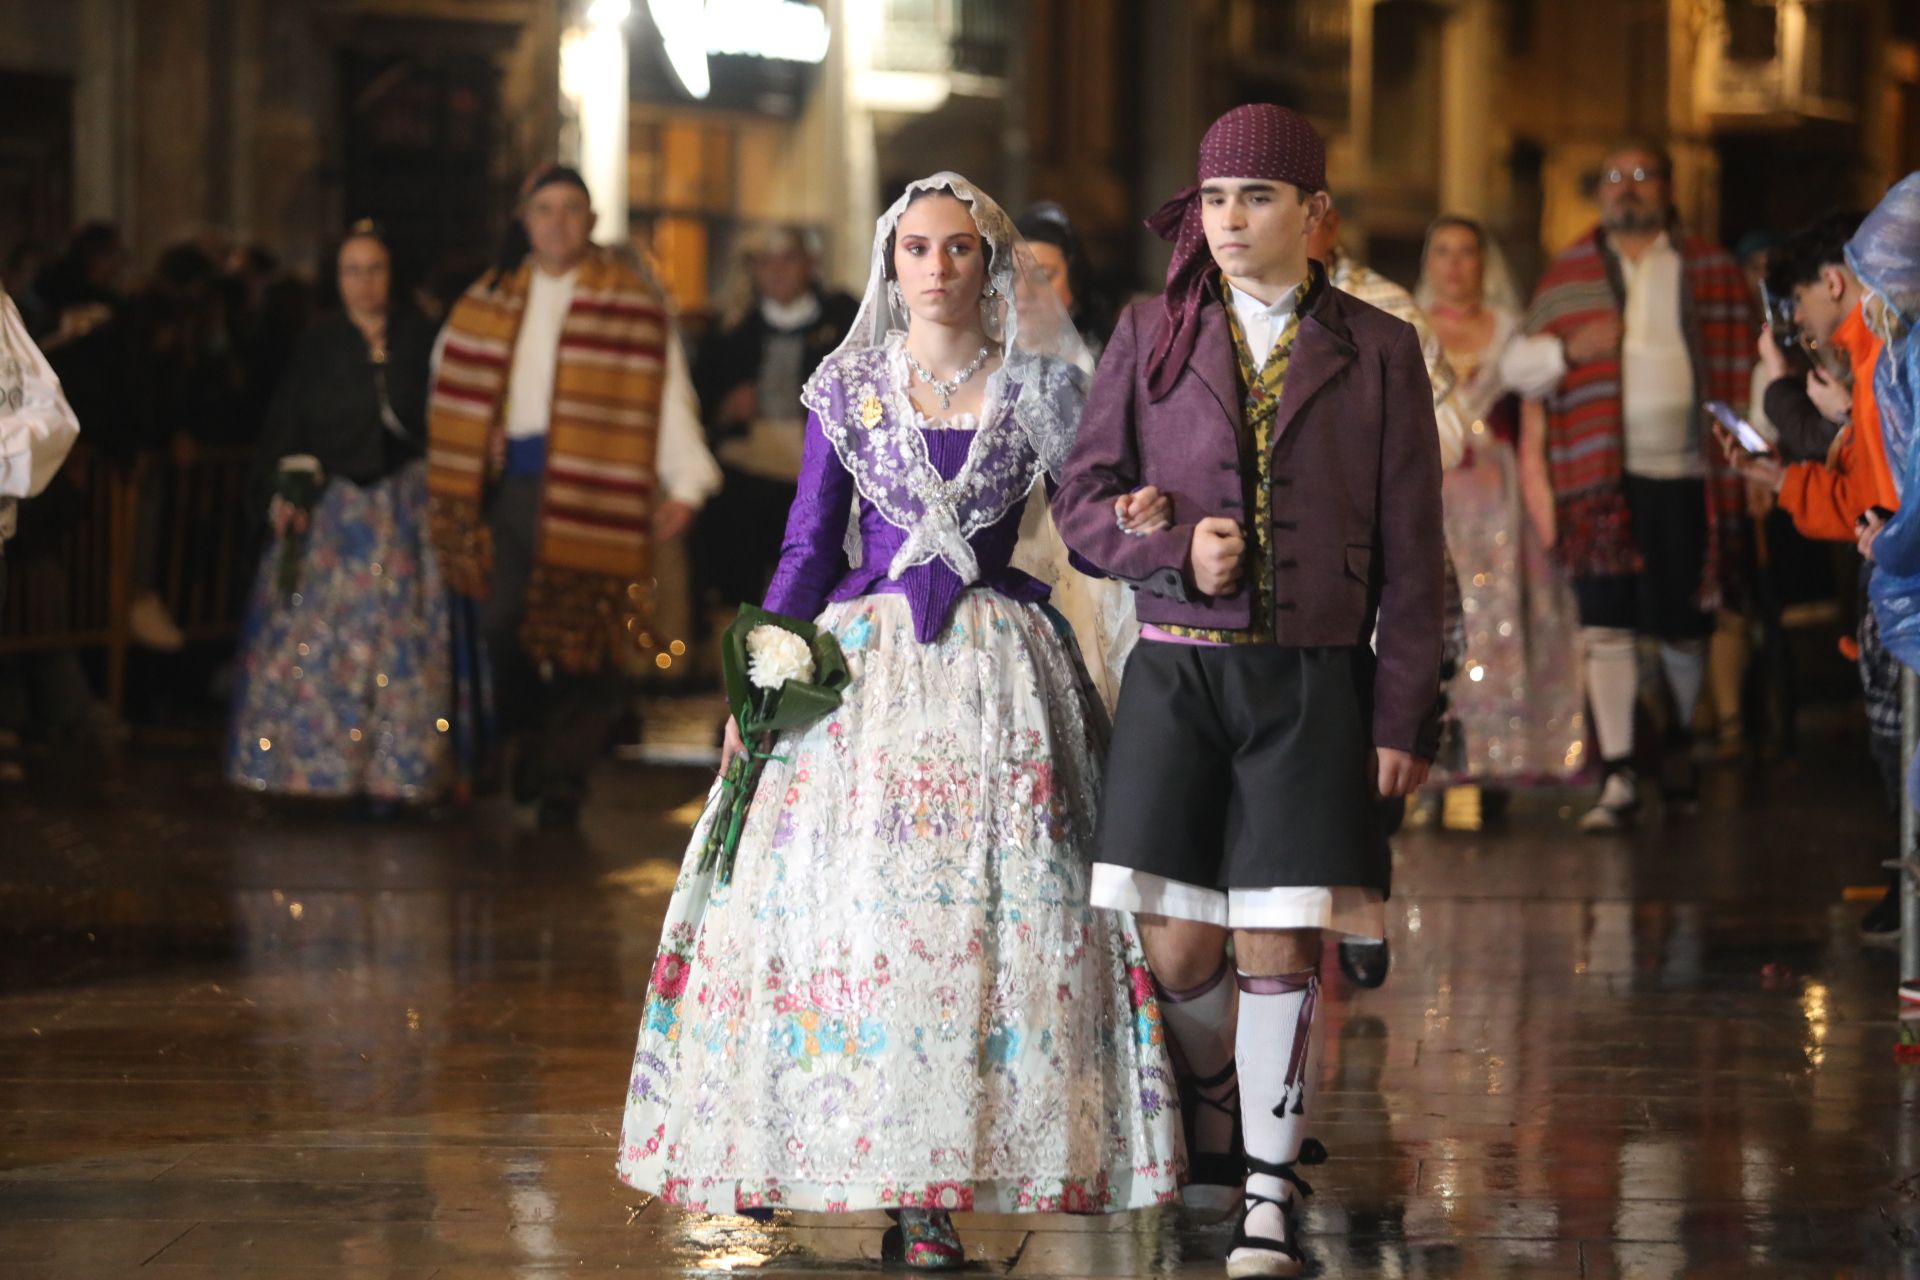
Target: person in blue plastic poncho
[(1885, 255)]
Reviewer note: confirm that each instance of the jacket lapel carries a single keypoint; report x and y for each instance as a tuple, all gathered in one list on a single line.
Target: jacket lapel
[(1214, 361), (1320, 350)]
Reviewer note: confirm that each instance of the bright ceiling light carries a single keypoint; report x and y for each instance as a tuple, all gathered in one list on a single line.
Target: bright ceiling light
[(608, 13), (683, 34)]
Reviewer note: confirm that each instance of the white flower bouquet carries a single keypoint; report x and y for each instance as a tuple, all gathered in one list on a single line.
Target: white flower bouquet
[(781, 673)]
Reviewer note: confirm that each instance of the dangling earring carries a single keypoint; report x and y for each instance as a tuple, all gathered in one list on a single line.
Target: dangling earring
[(990, 294), (898, 298)]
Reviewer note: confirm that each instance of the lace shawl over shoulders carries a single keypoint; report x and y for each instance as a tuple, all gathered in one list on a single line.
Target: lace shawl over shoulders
[(1026, 427)]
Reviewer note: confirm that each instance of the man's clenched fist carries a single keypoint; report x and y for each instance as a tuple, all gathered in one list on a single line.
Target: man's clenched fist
[(1216, 555)]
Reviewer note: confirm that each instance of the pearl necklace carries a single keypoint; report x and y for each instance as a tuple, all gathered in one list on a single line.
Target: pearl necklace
[(944, 390)]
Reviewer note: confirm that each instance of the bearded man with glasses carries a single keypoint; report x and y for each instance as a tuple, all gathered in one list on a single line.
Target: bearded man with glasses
[(1634, 327)]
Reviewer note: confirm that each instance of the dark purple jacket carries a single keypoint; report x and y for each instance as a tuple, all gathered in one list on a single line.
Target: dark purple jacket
[(1357, 536)]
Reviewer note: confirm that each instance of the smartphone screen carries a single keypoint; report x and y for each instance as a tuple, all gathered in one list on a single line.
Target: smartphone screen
[(1745, 432)]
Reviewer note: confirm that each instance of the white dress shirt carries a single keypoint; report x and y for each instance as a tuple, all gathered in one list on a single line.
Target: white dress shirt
[(1656, 391), (37, 426), (1657, 395), (686, 468), (1262, 322)]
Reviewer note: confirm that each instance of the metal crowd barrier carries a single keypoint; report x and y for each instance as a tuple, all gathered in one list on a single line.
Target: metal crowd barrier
[(1909, 828), (75, 590)]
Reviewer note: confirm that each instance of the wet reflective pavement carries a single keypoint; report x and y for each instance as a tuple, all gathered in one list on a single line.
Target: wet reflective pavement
[(242, 1039)]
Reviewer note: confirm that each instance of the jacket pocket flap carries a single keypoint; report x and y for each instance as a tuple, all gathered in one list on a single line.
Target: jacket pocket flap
[(1360, 561)]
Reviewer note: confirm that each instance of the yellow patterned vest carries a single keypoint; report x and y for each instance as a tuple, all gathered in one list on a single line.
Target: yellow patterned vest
[(1260, 404)]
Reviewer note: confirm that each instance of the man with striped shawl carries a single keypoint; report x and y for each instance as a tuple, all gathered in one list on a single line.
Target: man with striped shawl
[(563, 438), (1633, 329)]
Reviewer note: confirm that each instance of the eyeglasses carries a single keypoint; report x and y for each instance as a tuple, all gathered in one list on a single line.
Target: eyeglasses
[(1639, 173)]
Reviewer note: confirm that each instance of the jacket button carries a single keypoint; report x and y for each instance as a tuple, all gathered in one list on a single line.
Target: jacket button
[(1287, 564), (1230, 504), (1282, 482), (1229, 466), (1288, 525), (1284, 606)]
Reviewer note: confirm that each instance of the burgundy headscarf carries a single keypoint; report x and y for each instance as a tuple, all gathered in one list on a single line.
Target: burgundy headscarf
[(1258, 140)]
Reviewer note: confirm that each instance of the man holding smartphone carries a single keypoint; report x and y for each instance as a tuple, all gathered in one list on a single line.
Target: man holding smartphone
[(1851, 490), (1826, 498)]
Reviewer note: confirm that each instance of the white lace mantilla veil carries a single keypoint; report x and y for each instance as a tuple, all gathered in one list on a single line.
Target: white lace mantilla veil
[(1043, 356), (1498, 295)]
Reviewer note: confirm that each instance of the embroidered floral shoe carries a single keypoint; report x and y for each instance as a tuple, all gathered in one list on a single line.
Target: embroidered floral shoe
[(928, 1241)]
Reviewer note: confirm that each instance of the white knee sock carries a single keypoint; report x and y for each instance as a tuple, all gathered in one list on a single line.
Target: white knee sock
[(1200, 1020), (1612, 684), (1685, 662), (1272, 1048)]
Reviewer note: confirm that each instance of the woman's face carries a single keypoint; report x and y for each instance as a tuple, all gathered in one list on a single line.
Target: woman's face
[(1051, 260), (1454, 264), (940, 262), (365, 274)]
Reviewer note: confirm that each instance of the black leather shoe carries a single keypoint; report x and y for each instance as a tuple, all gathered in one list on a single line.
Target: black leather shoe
[(1365, 963)]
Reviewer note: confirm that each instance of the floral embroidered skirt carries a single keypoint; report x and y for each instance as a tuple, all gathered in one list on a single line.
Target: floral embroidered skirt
[(902, 998), (346, 687)]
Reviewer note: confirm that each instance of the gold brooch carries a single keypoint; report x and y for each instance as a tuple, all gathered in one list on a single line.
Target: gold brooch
[(870, 410)]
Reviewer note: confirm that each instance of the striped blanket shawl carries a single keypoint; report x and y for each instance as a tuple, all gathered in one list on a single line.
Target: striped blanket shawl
[(1586, 448), (593, 549)]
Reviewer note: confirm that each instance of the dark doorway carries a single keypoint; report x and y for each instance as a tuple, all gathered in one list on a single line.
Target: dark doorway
[(36, 159), (1781, 181), (417, 137)]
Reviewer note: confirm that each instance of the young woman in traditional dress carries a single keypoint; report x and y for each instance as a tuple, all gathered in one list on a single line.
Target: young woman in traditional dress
[(901, 1000), (1516, 702)]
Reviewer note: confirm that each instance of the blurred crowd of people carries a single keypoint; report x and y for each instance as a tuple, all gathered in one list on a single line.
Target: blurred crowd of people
[(1654, 470)]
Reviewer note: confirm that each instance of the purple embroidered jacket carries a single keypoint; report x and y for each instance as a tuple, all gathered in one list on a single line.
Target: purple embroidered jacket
[(814, 570)]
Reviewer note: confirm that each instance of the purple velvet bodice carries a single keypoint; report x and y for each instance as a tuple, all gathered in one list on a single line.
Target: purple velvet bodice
[(813, 559)]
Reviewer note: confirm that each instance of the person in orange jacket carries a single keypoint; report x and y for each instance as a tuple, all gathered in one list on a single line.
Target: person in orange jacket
[(1829, 500)]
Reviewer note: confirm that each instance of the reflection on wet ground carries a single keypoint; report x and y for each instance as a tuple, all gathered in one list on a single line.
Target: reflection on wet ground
[(243, 1039)]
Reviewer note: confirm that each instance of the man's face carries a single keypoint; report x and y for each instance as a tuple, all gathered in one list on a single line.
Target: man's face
[(783, 272), (1634, 191), (558, 219), (1258, 229), (1824, 304)]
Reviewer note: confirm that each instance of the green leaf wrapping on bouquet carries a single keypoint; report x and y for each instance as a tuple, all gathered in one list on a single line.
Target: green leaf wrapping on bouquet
[(298, 482), (759, 712)]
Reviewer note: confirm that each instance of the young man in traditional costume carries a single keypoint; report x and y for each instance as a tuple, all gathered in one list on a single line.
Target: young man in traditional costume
[(564, 437), (1292, 428)]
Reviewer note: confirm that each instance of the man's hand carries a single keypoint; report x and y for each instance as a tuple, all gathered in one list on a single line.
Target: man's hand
[(1830, 396), (1866, 530), (671, 519), (1398, 773), (1772, 358), (1594, 340), (1145, 510), (739, 405), (1763, 470), (1216, 554)]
